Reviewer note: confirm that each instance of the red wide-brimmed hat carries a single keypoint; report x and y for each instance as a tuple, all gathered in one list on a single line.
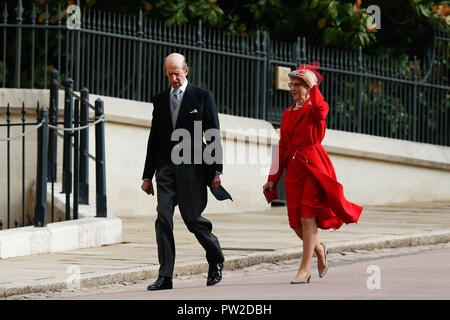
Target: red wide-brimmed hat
[(311, 67)]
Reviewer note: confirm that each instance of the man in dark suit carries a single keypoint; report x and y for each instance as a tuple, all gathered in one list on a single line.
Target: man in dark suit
[(182, 109)]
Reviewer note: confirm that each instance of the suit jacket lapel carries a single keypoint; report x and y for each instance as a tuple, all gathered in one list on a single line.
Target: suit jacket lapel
[(187, 98)]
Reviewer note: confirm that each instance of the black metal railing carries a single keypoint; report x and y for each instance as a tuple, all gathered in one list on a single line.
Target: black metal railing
[(121, 56), (40, 209), (75, 171), (11, 188)]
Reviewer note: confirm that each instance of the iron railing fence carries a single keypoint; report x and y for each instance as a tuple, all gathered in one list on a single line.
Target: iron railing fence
[(39, 218), (121, 56), (13, 135), (75, 171), (372, 95)]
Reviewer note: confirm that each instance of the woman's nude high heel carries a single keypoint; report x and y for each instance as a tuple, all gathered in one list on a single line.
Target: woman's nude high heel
[(304, 279), (323, 270)]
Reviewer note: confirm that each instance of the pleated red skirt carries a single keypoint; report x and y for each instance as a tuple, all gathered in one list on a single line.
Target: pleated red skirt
[(304, 196)]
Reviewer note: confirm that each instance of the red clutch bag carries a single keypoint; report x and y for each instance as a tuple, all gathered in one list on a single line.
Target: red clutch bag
[(270, 196)]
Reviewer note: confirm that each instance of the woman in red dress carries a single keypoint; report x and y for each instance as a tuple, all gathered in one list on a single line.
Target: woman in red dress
[(314, 198)]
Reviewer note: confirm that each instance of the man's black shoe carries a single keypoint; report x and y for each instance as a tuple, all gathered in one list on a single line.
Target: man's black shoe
[(161, 283), (214, 274)]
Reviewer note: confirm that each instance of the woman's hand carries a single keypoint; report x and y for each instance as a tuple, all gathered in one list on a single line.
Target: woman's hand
[(307, 76), (268, 186)]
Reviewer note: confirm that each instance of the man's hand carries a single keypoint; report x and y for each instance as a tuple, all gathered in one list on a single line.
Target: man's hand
[(147, 186), (216, 182)]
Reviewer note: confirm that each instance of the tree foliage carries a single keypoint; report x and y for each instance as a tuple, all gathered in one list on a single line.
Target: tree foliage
[(407, 25)]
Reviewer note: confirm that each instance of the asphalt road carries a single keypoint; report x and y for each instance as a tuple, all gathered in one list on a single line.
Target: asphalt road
[(389, 274), (423, 275)]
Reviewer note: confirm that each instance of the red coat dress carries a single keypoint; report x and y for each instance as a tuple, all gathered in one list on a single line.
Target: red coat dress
[(310, 181)]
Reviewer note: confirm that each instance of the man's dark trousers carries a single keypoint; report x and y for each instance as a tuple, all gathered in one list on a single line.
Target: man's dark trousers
[(172, 190)]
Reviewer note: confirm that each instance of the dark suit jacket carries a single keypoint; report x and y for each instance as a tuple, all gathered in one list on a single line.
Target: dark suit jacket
[(160, 146)]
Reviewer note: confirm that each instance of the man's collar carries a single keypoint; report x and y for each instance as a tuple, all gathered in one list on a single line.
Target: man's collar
[(182, 88)]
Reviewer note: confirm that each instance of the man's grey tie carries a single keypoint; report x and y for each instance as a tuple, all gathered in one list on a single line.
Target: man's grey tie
[(175, 99)]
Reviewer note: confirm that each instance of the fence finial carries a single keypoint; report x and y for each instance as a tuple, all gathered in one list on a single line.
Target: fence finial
[(360, 60), (140, 32), (19, 10), (23, 112), (199, 33), (8, 113), (5, 14), (46, 14), (59, 14)]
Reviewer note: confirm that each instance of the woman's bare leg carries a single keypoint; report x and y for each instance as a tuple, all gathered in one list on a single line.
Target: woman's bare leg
[(318, 249), (309, 236)]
